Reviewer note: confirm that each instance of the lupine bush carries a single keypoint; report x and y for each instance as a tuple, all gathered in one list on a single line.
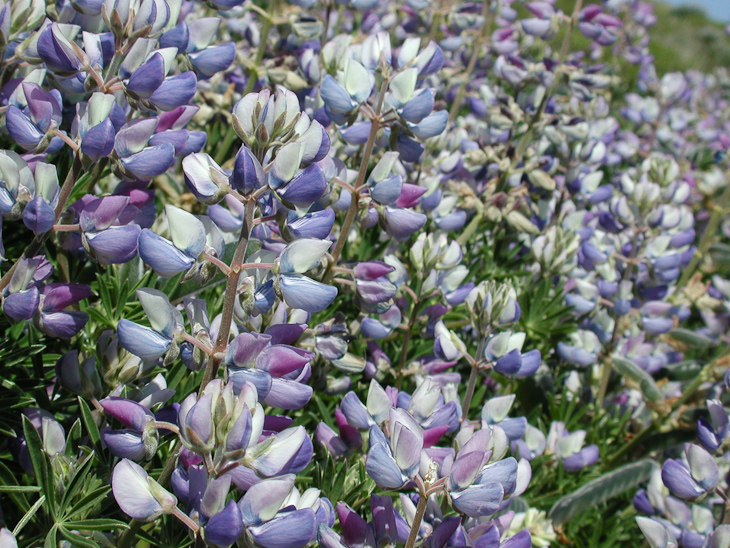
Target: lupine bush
[(362, 273)]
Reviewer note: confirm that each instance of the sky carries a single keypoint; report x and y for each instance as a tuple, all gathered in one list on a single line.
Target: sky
[(716, 9)]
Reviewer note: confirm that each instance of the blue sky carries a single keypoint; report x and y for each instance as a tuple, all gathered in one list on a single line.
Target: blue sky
[(716, 9)]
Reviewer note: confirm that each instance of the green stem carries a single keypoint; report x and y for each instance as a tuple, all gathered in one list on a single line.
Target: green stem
[(481, 40), (473, 375), (403, 358), (225, 146), (687, 393), (230, 294), (420, 511), (526, 138), (606, 364), (709, 234), (467, 233), (352, 209), (254, 74)]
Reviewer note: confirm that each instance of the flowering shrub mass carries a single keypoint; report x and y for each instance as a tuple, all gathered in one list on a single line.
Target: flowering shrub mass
[(360, 274)]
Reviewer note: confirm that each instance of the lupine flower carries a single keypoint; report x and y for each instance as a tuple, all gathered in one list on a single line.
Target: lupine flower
[(192, 237), (166, 322), (138, 495), (713, 433), (504, 351), (297, 290), (477, 488), (139, 439), (270, 521), (568, 446), (34, 128), (693, 479), (278, 371), (392, 462)]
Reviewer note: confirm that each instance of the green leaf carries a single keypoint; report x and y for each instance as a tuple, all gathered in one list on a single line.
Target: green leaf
[(19, 489), (91, 500), (646, 383), (89, 422), (600, 490), (74, 434), (77, 540), (7, 479), (691, 339), (28, 515), (77, 481), (98, 524), (41, 464), (51, 538)]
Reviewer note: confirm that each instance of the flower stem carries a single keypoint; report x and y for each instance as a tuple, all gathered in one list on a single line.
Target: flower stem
[(526, 138), (420, 510), (352, 210), (230, 294), (469, 392), (182, 516), (265, 29), (687, 393), (718, 211), (481, 40), (416, 308)]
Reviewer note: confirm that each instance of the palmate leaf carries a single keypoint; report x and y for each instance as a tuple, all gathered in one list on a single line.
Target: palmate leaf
[(545, 314), (600, 490), (78, 481)]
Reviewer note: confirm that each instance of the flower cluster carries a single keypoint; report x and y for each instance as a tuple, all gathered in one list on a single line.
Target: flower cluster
[(359, 274)]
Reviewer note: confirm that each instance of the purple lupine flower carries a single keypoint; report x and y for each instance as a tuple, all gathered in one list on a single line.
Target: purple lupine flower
[(139, 438), (272, 524), (56, 51), (191, 236), (175, 91), (34, 128), (297, 290), (205, 179), (393, 462), (504, 350), (78, 378), (213, 59), (477, 488), (568, 447), (138, 495), (149, 343), (278, 371), (224, 527), (713, 433), (698, 476), (137, 160)]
